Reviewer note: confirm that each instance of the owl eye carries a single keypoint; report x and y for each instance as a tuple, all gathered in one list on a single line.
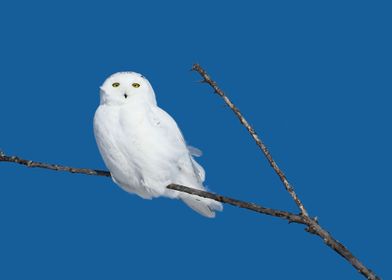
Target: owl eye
[(115, 84), (136, 85)]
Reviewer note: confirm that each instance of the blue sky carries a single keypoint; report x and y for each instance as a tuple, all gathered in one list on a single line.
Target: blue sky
[(313, 78)]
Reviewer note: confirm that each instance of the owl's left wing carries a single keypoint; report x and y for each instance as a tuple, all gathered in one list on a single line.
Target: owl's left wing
[(167, 127), (169, 130)]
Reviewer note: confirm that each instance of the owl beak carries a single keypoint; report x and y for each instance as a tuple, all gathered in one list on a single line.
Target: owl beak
[(101, 90)]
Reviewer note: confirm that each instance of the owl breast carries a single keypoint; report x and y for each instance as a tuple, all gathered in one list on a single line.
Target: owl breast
[(138, 155)]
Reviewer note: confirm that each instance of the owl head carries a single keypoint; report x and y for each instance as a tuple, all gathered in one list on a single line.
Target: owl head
[(123, 87)]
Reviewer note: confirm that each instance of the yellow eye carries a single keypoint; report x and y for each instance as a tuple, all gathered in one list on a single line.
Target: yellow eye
[(136, 85), (115, 84)]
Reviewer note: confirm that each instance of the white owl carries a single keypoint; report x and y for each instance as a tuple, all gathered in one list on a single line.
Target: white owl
[(142, 145)]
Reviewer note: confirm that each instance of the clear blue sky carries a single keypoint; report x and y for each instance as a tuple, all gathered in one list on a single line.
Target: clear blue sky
[(313, 78)]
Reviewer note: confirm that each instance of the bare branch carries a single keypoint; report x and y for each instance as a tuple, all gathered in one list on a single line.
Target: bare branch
[(55, 167), (292, 218), (244, 122), (242, 204), (312, 224)]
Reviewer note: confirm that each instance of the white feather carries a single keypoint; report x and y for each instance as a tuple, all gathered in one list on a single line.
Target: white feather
[(195, 151)]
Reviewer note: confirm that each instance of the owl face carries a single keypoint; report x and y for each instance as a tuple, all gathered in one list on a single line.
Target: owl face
[(123, 87)]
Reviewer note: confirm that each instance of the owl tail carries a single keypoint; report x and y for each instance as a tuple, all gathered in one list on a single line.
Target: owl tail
[(203, 206)]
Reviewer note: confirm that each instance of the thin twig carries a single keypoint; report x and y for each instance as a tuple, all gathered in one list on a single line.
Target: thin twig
[(55, 167), (312, 224), (244, 122)]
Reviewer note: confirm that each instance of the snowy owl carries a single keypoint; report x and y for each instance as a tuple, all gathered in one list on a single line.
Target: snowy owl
[(142, 145)]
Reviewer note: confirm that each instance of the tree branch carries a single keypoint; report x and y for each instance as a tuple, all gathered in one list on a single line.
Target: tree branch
[(293, 218), (55, 167), (252, 132), (313, 226)]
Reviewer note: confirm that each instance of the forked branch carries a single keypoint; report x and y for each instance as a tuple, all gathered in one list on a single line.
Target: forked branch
[(311, 224)]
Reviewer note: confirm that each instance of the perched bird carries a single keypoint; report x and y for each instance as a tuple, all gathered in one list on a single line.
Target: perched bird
[(142, 145)]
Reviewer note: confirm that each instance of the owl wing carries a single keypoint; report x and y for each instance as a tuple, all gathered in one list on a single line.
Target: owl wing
[(170, 130), (167, 127)]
